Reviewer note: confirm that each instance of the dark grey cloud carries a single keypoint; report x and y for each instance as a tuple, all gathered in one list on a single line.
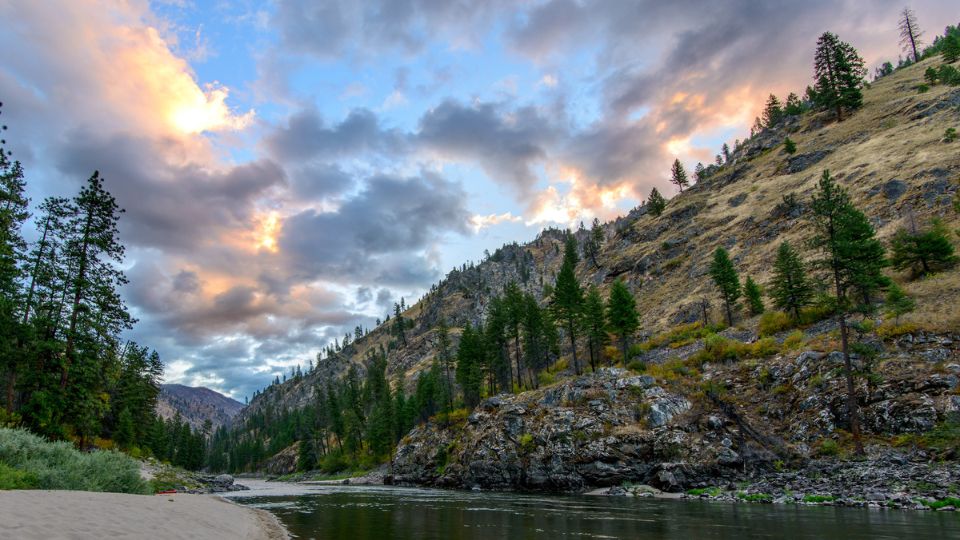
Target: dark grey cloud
[(170, 206), (506, 142), (376, 235), (306, 137), (320, 180), (344, 27)]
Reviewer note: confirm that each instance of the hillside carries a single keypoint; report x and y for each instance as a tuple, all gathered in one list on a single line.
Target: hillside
[(196, 405), (891, 157)]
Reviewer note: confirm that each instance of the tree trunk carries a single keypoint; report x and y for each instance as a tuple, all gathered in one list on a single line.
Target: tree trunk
[(729, 313), (573, 347), (516, 342), (77, 297), (853, 409)]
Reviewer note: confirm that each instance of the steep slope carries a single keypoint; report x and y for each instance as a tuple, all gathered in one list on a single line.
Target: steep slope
[(890, 156), (196, 405)]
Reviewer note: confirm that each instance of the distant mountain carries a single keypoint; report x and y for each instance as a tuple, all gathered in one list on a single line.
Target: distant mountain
[(196, 405)]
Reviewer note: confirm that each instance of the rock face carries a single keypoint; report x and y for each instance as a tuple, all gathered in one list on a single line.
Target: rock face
[(616, 426), (196, 405)]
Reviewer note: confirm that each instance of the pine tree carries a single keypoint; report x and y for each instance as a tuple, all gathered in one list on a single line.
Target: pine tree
[(854, 259), (470, 359), (622, 316), (725, 150), (772, 112), (595, 323), (923, 252), (754, 295), (950, 50), (793, 106), (678, 176), (568, 297), (399, 323), (910, 33), (656, 203), (898, 303), (839, 72), (445, 356), (594, 242), (790, 288), (789, 146), (725, 278)]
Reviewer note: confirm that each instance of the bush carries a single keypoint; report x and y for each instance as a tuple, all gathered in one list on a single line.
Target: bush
[(527, 443), (922, 88), (333, 462), (794, 341), (950, 135), (828, 447), (11, 478), (773, 322), (637, 365), (58, 465)]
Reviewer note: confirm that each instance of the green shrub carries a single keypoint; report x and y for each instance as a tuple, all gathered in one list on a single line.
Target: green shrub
[(637, 365), (11, 478), (711, 491), (818, 498), (333, 462), (773, 322), (794, 341), (755, 497), (949, 75), (527, 443), (923, 88), (58, 465), (828, 447), (950, 135), (940, 503)]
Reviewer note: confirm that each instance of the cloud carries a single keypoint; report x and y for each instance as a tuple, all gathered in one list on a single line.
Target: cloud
[(506, 143), (378, 235), (307, 137)]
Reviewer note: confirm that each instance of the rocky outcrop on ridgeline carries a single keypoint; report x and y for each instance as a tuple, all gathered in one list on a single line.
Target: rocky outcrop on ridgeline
[(675, 429)]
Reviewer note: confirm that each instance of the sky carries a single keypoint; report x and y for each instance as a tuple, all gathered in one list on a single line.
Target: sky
[(291, 168)]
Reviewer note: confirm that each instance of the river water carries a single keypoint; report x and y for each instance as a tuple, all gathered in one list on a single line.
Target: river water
[(381, 513)]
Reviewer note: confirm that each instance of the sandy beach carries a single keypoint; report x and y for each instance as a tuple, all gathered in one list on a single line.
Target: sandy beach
[(49, 515)]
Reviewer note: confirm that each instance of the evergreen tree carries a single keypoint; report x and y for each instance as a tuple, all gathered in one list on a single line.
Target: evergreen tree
[(793, 106), (656, 203), (789, 146), (923, 252), (678, 176), (727, 281), (754, 295), (839, 73), (898, 303), (950, 50), (772, 112), (725, 150), (910, 33), (568, 297), (595, 323), (622, 317), (854, 259), (399, 323), (445, 356), (594, 242), (470, 359), (790, 288)]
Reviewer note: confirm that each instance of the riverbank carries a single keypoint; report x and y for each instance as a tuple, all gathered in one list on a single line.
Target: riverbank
[(43, 515)]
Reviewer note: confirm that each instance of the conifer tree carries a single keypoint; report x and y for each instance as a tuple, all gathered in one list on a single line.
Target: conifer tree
[(725, 150), (622, 316), (789, 146), (793, 106), (854, 259), (568, 297), (950, 50), (923, 252), (727, 281), (838, 74), (678, 176), (772, 112), (656, 203), (595, 323), (910, 33), (445, 356), (399, 324), (594, 242), (898, 303), (470, 359), (754, 295), (790, 288)]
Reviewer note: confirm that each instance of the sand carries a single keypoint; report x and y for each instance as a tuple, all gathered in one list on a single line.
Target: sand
[(49, 515)]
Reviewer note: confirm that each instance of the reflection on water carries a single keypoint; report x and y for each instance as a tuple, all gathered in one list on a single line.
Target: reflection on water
[(378, 512)]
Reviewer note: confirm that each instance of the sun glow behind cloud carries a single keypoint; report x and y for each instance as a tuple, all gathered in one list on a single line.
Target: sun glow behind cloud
[(207, 111)]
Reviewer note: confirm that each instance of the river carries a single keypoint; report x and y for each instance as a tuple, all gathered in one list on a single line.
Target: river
[(381, 513)]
